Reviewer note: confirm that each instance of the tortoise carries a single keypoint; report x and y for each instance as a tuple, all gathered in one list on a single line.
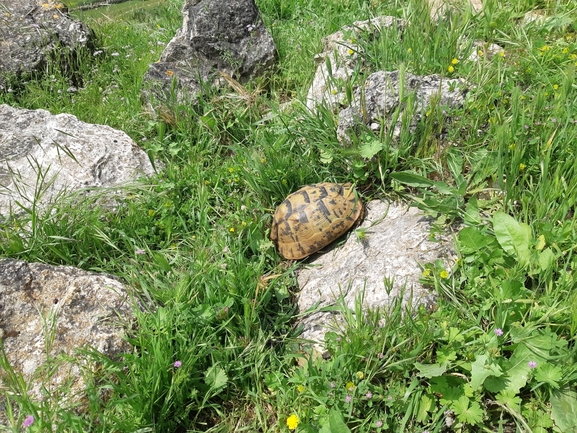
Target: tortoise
[(313, 217)]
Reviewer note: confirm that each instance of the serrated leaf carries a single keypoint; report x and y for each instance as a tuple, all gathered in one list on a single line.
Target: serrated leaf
[(371, 148), (550, 374), (430, 370), (467, 411), (411, 179), (471, 240), (215, 377), (514, 237), (564, 410), (509, 398)]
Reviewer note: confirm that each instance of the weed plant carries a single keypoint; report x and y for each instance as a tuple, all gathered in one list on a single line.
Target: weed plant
[(215, 346)]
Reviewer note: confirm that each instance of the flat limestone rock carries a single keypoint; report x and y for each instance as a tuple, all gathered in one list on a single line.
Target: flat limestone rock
[(396, 241), (51, 153), (33, 33), (50, 311)]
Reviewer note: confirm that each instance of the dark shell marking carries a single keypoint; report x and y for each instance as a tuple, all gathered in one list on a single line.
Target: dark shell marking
[(313, 217)]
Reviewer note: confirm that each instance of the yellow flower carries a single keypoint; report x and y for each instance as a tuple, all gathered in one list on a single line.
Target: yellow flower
[(555, 86), (451, 69), (350, 52), (512, 146), (444, 274), (231, 170), (360, 375), (454, 61), (502, 53), (301, 388), (231, 229), (292, 421), (333, 91), (522, 167), (480, 53), (410, 50), (350, 386), (426, 273)]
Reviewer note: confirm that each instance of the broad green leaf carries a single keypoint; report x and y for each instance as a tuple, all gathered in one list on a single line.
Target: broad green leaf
[(162, 262), (326, 157), (564, 409), (547, 259), (371, 148), (337, 422), (430, 370), (455, 164), (472, 215), (443, 188), (514, 237), (540, 243), (425, 406), (215, 377), (411, 179), (480, 370), (471, 240), (516, 369)]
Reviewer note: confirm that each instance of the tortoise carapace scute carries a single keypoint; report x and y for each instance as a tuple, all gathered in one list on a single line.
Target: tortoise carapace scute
[(313, 217)]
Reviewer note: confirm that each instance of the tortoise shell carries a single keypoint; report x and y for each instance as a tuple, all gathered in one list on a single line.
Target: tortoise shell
[(313, 217)]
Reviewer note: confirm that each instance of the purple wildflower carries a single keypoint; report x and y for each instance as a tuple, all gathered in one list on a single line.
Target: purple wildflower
[(498, 332), (349, 398), (379, 423), (532, 364), (177, 364), (28, 421), (369, 395)]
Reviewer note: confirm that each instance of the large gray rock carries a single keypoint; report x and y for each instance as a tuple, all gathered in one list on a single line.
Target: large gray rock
[(34, 33), (216, 36), (376, 102), (47, 313), (44, 154), (396, 242), (341, 57)]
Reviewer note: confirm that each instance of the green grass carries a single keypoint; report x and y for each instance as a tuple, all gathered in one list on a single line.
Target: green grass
[(193, 240)]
